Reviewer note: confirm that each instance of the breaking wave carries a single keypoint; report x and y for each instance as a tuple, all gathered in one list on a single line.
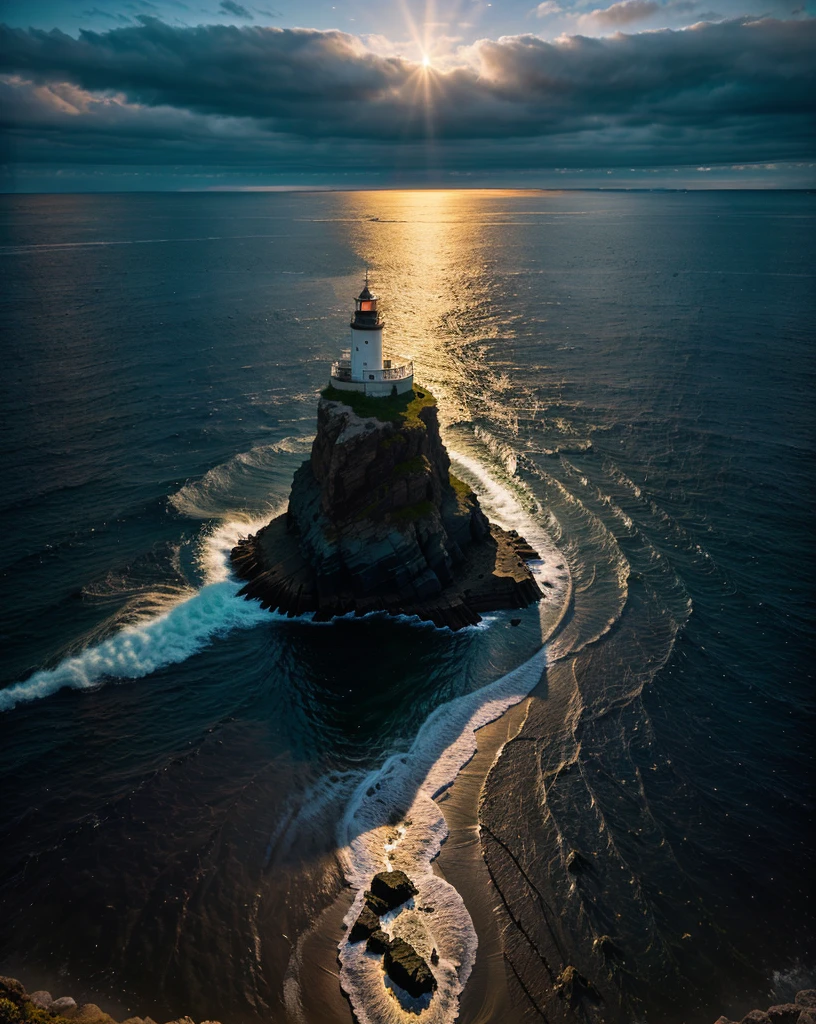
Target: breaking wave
[(159, 640)]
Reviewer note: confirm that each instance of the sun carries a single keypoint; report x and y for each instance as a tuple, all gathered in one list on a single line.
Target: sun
[(426, 62)]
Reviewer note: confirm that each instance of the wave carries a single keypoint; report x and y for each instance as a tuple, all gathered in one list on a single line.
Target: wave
[(159, 640), (254, 475)]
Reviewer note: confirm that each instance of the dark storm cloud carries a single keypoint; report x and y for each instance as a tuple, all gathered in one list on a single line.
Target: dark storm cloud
[(737, 91)]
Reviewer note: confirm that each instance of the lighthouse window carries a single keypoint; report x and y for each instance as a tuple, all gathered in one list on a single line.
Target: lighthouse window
[(371, 376), (366, 341)]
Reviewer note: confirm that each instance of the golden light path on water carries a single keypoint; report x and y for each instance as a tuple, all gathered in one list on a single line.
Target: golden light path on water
[(429, 255)]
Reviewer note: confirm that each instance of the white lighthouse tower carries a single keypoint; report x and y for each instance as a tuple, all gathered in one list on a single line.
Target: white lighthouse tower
[(362, 367)]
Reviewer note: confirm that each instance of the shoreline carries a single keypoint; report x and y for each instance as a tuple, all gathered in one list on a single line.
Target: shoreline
[(486, 996)]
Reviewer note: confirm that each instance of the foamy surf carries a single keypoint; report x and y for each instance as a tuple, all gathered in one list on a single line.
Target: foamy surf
[(156, 641), (393, 821)]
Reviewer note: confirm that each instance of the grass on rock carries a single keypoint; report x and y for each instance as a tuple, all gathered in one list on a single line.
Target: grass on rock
[(391, 409)]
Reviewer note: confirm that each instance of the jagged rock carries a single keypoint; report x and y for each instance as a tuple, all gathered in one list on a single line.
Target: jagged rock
[(182, 1020), (724, 1020), (62, 1005), (41, 999), (393, 888), (807, 1016), (515, 622), (784, 1013), (807, 998), (376, 523), (375, 904), (378, 941), (434, 957), (366, 923), (756, 1017), (406, 968)]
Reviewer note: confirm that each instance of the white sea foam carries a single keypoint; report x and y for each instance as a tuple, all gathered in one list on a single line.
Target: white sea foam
[(394, 822), (158, 640)]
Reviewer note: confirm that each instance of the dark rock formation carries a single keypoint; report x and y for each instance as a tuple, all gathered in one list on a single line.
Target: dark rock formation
[(393, 888), (18, 1007), (802, 1011), (406, 968), (388, 890), (377, 522), (367, 923), (378, 942)]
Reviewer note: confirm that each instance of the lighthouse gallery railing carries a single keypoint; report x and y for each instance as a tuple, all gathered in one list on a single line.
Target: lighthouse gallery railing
[(341, 370)]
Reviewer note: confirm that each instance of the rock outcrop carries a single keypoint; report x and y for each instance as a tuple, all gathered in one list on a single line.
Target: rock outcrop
[(402, 963), (17, 1006), (801, 1011), (406, 968), (376, 521)]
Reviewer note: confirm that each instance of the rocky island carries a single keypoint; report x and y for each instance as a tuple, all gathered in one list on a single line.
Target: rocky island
[(377, 522)]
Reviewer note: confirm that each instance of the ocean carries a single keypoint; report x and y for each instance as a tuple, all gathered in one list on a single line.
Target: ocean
[(189, 782)]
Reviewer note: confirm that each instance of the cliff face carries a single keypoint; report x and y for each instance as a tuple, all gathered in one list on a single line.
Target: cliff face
[(376, 521), (375, 510)]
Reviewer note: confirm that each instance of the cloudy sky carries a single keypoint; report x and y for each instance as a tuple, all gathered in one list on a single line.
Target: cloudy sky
[(134, 94)]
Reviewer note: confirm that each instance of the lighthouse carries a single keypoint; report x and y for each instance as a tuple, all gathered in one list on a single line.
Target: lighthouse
[(362, 367)]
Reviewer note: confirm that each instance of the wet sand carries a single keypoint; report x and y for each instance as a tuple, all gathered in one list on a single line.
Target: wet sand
[(486, 997)]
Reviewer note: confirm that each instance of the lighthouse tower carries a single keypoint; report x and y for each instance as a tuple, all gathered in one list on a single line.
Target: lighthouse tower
[(362, 367), (366, 335)]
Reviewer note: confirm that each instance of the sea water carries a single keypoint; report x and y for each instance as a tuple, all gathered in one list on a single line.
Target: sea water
[(623, 377)]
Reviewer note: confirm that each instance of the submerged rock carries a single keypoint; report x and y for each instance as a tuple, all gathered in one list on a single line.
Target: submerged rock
[(376, 522), (573, 985), (576, 862), (607, 948), (406, 968)]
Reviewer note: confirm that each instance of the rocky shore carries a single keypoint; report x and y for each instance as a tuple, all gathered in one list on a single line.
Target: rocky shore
[(377, 522), (801, 1011), (17, 1006)]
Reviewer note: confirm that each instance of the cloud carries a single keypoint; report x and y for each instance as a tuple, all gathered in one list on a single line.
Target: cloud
[(236, 9), (629, 12), (740, 91), (547, 8), (623, 13)]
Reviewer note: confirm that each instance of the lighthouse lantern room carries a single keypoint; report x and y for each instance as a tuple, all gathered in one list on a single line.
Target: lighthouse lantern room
[(362, 367)]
